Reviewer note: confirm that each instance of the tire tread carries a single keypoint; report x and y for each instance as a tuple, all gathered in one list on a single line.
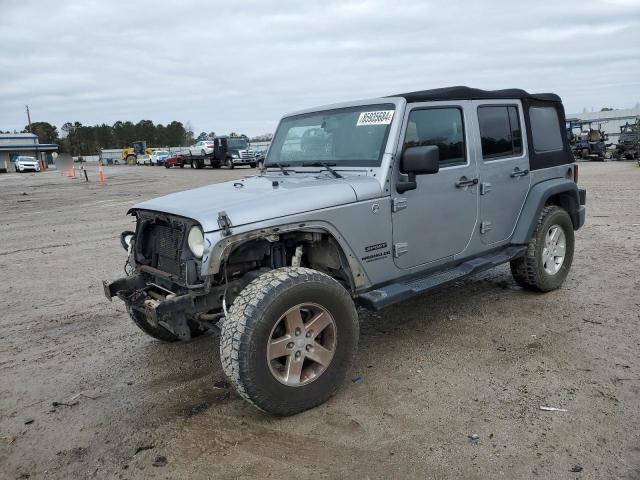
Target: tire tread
[(245, 311)]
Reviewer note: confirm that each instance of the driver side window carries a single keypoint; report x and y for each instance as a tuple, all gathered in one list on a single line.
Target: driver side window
[(439, 126)]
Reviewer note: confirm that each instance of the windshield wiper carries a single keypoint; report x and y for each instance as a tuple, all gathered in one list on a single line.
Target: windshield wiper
[(325, 165), (280, 166)]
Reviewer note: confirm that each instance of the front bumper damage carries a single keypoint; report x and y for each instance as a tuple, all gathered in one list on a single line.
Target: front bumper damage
[(159, 306), (177, 312)]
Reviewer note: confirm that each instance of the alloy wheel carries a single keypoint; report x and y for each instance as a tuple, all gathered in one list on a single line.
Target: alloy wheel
[(555, 244), (302, 344)]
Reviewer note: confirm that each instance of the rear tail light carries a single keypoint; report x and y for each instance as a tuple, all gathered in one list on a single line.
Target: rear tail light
[(575, 173)]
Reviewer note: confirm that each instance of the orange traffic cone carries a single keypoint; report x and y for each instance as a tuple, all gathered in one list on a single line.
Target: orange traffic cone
[(101, 174)]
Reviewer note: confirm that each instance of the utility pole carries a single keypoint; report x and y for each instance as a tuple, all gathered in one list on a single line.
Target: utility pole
[(29, 118)]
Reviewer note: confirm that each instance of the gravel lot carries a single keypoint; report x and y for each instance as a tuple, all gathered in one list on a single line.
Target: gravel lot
[(477, 358)]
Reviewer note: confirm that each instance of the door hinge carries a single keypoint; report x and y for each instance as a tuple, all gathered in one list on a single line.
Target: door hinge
[(485, 188), (485, 227), (398, 204), (400, 249)]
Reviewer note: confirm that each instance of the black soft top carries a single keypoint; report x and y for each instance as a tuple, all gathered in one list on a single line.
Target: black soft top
[(537, 159), (467, 93)]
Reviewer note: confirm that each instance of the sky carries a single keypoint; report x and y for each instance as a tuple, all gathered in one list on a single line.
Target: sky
[(239, 66)]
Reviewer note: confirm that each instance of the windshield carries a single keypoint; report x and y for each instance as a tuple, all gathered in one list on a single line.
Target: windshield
[(26, 159), (353, 136), (162, 152), (239, 143)]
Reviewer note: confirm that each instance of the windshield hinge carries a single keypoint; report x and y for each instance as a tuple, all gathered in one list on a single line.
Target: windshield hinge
[(225, 223), (398, 204)]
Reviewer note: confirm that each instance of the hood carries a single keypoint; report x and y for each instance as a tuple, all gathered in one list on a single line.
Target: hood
[(254, 199)]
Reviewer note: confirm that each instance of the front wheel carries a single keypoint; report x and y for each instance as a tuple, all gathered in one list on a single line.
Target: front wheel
[(289, 340), (229, 163), (549, 254)]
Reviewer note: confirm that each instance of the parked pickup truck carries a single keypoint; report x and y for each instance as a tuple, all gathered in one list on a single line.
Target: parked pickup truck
[(228, 151), (367, 203)]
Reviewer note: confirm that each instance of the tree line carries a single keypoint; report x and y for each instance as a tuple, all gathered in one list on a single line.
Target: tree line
[(77, 139)]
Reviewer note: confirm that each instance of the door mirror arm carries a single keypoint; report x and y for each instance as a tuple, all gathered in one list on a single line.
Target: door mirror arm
[(406, 185)]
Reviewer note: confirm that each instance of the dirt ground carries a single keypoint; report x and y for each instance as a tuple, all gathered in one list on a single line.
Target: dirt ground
[(477, 358)]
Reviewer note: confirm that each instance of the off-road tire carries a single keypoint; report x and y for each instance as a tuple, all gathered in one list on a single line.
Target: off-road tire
[(159, 332), (528, 271), (247, 329)]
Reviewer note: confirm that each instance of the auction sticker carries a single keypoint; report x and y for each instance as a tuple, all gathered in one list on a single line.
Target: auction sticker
[(378, 117)]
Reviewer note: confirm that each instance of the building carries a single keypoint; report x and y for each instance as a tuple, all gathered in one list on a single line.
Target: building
[(609, 121), (14, 145)]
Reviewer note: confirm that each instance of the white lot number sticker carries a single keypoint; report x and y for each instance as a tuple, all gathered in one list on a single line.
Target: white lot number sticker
[(379, 117)]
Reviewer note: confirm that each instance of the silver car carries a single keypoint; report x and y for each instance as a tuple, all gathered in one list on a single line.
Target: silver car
[(363, 203)]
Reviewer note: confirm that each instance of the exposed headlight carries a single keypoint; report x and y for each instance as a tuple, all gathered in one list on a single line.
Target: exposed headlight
[(126, 238), (195, 240), (235, 155)]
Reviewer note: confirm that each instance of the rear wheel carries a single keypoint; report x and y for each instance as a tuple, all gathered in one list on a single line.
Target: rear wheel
[(549, 254), (289, 340)]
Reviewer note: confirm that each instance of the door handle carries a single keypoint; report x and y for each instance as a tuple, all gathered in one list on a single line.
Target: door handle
[(465, 182), (519, 173)]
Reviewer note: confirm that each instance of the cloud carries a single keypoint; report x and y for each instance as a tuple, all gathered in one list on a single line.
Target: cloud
[(228, 66)]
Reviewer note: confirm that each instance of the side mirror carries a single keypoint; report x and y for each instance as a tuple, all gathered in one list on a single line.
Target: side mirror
[(418, 161), (421, 160)]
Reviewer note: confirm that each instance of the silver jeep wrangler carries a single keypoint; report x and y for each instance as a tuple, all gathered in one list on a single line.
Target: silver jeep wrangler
[(361, 203)]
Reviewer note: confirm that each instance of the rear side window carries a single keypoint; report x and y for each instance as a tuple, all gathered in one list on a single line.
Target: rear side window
[(545, 129), (442, 127), (500, 131)]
